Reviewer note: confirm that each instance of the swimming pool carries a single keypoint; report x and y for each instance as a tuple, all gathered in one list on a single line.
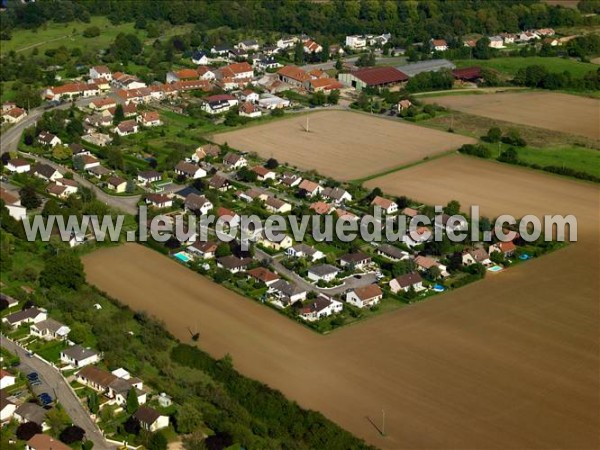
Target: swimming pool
[(439, 288), (524, 257), (495, 268), (182, 256)]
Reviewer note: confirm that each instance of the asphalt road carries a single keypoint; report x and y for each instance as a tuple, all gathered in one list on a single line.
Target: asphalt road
[(54, 384)]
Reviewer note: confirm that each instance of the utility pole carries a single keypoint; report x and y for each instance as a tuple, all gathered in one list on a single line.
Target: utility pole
[(382, 422), (307, 124)]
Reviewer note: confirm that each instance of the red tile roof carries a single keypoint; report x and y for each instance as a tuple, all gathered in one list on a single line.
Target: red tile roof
[(467, 73), (374, 76)]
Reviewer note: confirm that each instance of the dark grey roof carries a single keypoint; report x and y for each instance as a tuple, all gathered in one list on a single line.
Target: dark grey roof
[(146, 415), (32, 413), (287, 289), (19, 316), (187, 191), (323, 269), (233, 262), (390, 250), (44, 169), (78, 353)]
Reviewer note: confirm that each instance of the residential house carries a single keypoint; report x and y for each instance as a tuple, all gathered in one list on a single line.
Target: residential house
[(496, 42), (263, 275), (424, 263), (88, 161), (248, 109), (14, 115), (250, 45), (356, 42), (357, 260), (270, 102), (286, 42), (250, 96), (527, 36), (365, 297), (311, 46), (6, 379), (219, 183), (509, 38), (18, 165), (200, 58), (126, 128), (149, 119), (7, 408), (278, 244), (102, 104), (70, 91), (150, 419), (287, 293), (159, 201), (13, 203), (117, 184), (50, 329), (392, 253), (234, 161), (45, 442), (293, 75), (197, 204), (233, 263), (208, 150), (506, 248), (228, 216), (79, 356), (218, 104), (277, 206), (189, 170), (121, 386), (304, 251), (451, 223), (253, 194), (322, 306), (78, 149), (310, 188), (238, 54), (221, 49), (29, 315), (241, 71), (267, 63), (56, 190), (407, 282), (346, 215), (545, 32), (48, 139), (205, 74), (291, 179), (99, 171), (374, 77), (337, 195), (182, 75), (103, 72), (415, 237), (149, 176), (387, 206), (31, 412), (439, 45), (204, 249), (263, 173), (476, 256), (321, 208), (325, 272)]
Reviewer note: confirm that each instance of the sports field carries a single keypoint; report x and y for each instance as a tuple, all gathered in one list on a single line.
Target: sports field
[(562, 112), (508, 362), (343, 145)]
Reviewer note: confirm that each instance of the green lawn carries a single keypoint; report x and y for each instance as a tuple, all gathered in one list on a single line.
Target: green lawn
[(576, 158), (511, 65)]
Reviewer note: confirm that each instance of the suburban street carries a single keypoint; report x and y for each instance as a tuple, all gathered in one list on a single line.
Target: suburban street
[(61, 390)]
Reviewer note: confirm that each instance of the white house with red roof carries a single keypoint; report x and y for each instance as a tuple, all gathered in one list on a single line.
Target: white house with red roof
[(18, 165), (6, 379), (150, 119), (14, 115), (98, 72)]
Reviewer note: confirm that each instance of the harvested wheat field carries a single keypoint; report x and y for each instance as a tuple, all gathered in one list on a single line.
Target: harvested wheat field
[(561, 112), (341, 144), (508, 362)]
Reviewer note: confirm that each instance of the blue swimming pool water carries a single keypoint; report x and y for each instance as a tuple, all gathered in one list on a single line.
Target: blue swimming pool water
[(181, 257), (524, 256), (495, 269), (439, 288)]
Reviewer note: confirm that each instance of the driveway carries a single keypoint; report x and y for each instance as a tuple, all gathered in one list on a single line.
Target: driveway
[(55, 384)]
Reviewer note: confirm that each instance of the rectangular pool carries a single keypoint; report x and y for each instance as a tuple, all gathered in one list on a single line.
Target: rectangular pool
[(182, 256)]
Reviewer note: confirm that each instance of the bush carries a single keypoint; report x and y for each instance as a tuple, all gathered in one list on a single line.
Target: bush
[(475, 150), (72, 434), (91, 32), (27, 430)]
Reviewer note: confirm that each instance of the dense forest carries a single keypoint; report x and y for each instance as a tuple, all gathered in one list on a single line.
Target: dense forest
[(411, 20)]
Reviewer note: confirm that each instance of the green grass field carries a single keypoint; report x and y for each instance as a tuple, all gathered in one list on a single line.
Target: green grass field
[(511, 65), (572, 157), (54, 35)]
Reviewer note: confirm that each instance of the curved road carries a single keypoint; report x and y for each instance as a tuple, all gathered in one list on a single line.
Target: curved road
[(10, 138)]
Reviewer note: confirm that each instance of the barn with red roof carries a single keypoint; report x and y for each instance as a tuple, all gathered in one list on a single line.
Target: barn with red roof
[(373, 77)]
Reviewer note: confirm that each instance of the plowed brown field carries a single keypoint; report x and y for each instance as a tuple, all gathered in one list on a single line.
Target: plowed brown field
[(341, 144), (561, 112)]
